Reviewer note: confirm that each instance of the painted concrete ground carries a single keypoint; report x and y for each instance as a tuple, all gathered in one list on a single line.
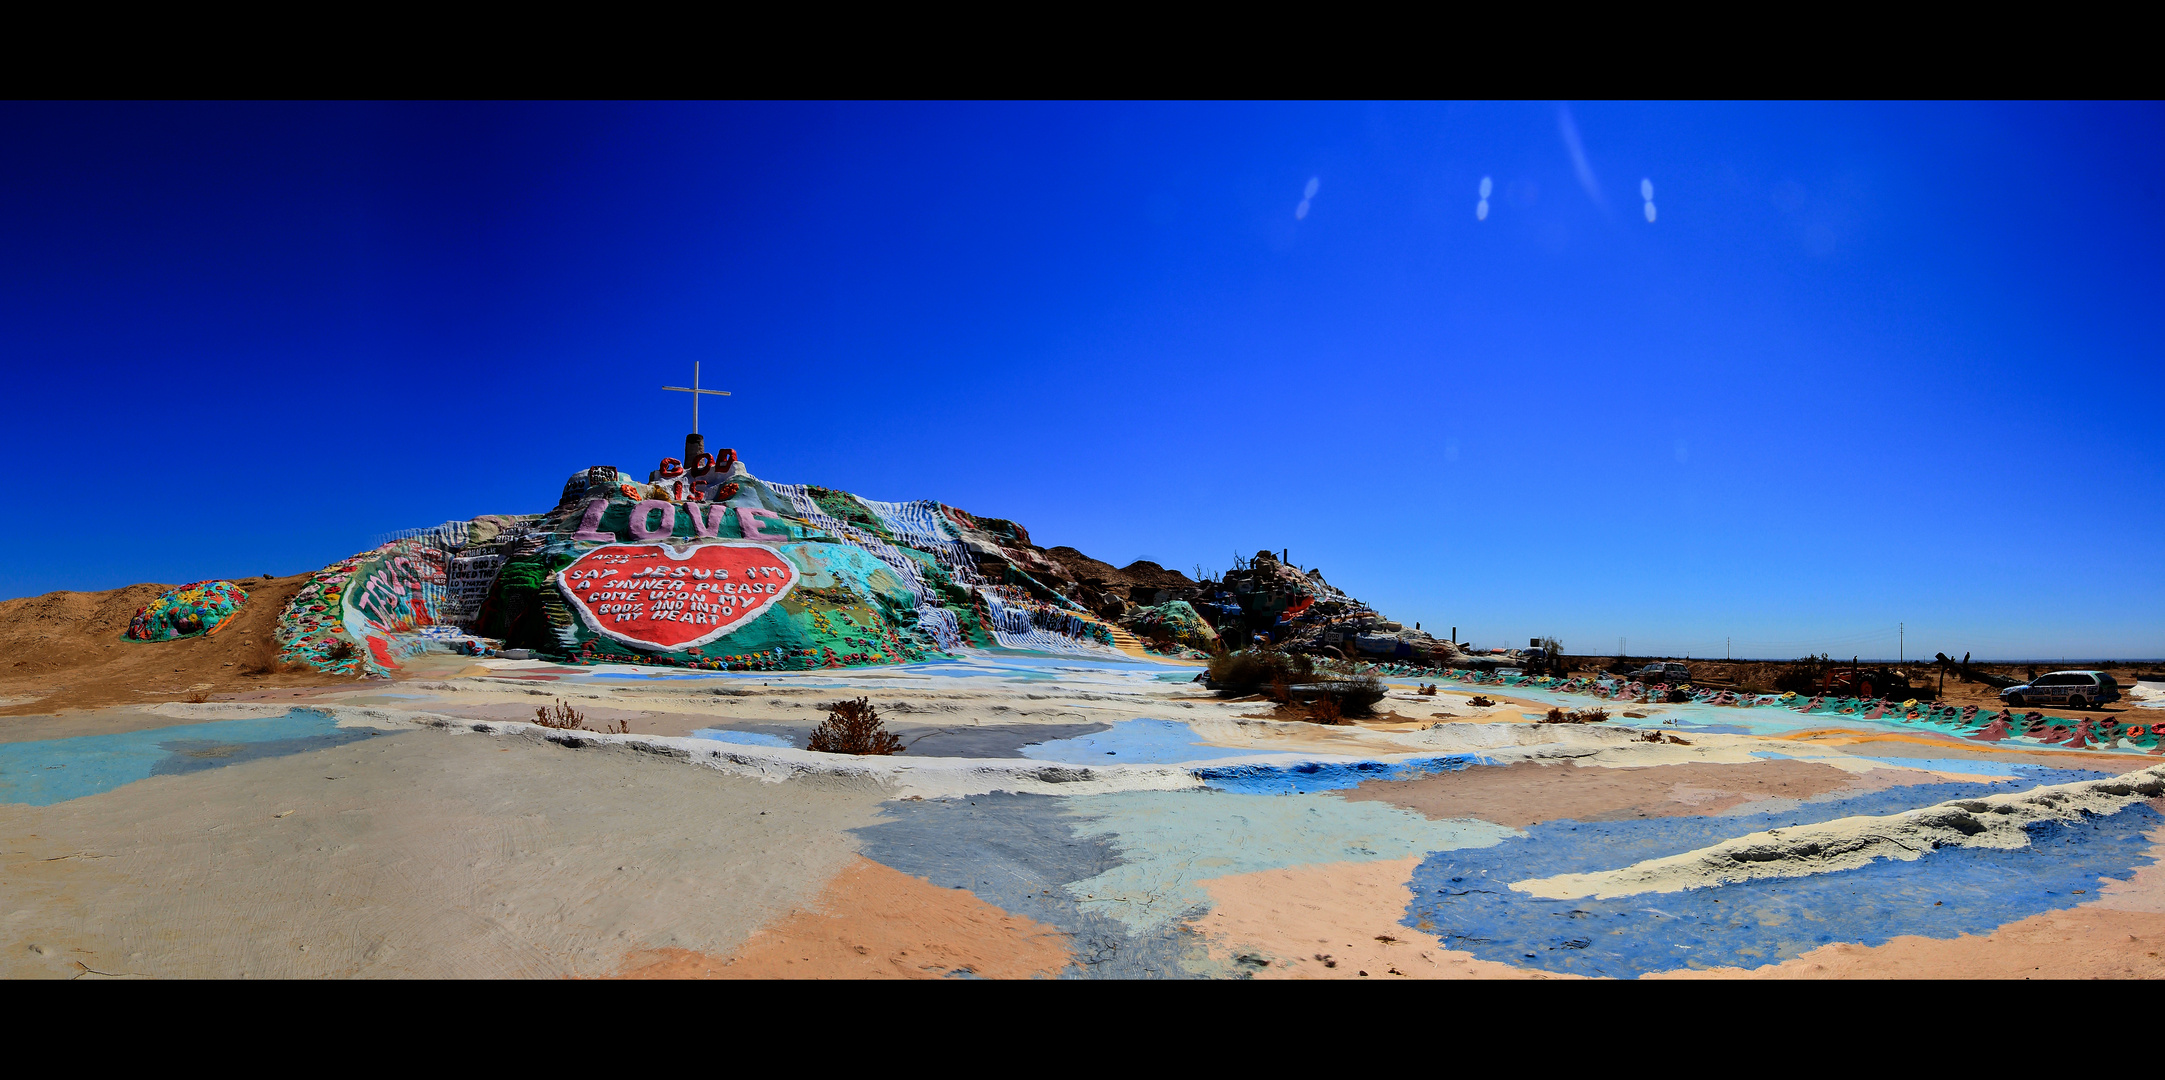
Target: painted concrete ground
[(1051, 818)]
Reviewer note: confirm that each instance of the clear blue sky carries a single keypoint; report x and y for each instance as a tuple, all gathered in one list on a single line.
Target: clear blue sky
[(1870, 365)]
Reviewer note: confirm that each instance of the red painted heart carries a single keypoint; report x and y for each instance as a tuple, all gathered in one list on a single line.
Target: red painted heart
[(664, 599)]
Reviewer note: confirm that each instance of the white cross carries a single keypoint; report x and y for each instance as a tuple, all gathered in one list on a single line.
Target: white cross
[(695, 391)]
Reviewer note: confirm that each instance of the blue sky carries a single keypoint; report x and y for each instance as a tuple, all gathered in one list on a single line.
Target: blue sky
[(1870, 365)]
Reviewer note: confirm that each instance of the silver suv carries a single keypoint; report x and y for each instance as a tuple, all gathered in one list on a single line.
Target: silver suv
[(2067, 689), (1669, 674)]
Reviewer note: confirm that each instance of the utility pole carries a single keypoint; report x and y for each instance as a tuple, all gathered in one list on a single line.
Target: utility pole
[(1725, 650), (1901, 642)]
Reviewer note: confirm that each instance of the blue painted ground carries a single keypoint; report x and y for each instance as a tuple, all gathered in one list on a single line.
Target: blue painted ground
[(1699, 716), (1313, 776), (1121, 874), (1973, 766), (743, 738), (1020, 853), (1132, 742), (1464, 898), (54, 770)]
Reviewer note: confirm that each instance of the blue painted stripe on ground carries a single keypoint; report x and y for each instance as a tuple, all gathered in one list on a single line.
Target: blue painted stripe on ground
[(1464, 896), (1313, 776), (55, 770)]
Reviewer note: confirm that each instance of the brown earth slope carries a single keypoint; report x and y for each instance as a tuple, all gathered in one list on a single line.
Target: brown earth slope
[(1082, 567), (63, 650)]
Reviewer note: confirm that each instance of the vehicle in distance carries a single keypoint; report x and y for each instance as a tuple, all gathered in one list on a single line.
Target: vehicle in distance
[(1669, 674), (2067, 689)]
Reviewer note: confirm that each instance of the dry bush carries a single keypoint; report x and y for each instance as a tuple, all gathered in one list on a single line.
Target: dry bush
[(198, 698), (853, 727), (263, 657), (1576, 716), (562, 716), (1325, 710), (1479, 702), (340, 650), (1355, 695), (1238, 674), (1428, 690), (1280, 690)]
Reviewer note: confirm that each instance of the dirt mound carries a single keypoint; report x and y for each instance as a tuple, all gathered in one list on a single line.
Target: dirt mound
[(1082, 567), (63, 650)]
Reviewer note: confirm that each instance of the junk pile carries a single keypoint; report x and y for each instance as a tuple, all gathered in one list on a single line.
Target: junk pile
[(1983, 725), (204, 607), (1298, 611), (702, 565)]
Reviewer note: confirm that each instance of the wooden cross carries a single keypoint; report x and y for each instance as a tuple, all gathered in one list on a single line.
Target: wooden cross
[(695, 391)]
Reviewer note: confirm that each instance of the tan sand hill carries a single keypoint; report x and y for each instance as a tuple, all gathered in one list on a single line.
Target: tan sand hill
[(63, 650)]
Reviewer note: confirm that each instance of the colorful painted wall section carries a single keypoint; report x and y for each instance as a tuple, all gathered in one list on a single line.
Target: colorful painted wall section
[(204, 607), (665, 599), (742, 575), (395, 591)]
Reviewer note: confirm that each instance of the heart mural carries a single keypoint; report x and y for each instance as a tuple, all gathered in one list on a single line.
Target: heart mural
[(670, 599)]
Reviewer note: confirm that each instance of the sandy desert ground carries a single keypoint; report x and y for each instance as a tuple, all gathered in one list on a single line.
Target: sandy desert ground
[(1050, 817)]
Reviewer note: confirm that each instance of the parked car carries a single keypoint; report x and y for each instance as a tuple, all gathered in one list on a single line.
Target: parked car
[(1668, 674), (2067, 689), (1537, 662)]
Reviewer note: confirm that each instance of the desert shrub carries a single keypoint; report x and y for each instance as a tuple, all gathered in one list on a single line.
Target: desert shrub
[(1576, 716), (1354, 695), (263, 657), (1801, 677), (853, 727), (1325, 710), (1428, 690), (1237, 674), (1479, 702), (560, 715), (341, 649), (198, 698)]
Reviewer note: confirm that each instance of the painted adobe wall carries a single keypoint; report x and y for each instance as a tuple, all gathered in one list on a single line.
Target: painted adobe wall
[(710, 569), (764, 576)]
